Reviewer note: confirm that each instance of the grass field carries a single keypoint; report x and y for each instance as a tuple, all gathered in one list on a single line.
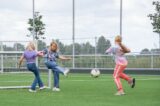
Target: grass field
[(81, 90)]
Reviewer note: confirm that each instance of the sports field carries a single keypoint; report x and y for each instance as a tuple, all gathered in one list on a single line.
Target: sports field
[(81, 90)]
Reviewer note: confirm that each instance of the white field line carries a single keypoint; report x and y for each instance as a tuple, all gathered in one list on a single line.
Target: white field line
[(16, 74), (149, 79), (13, 81), (92, 79)]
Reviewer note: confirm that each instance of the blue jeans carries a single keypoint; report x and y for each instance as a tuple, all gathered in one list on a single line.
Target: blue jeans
[(56, 70), (33, 68)]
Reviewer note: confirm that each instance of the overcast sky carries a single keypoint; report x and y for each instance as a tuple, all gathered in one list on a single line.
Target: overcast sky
[(93, 18)]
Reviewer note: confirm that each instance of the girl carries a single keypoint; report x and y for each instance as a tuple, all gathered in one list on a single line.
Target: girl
[(121, 63), (30, 55), (51, 55)]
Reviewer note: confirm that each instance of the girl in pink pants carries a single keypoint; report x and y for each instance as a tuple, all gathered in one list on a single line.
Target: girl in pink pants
[(121, 63)]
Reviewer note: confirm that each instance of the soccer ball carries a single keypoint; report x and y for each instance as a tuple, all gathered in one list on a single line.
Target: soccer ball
[(95, 73)]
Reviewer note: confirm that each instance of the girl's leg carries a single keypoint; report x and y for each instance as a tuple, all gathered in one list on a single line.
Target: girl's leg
[(56, 79), (30, 68), (37, 76), (116, 76), (125, 77), (33, 86), (131, 81), (55, 67), (52, 65)]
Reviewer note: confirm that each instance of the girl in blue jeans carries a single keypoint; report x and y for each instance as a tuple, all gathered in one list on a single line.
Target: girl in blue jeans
[(30, 55), (50, 56)]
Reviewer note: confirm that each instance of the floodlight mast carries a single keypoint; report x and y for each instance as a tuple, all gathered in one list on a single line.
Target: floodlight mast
[(73, 34), (121, 11), (34, 32)]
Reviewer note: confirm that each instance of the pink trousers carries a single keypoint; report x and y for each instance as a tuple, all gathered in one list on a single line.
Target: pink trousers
[(118, 73)]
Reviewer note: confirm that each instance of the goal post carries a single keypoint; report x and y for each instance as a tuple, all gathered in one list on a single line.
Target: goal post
[(11, 77)]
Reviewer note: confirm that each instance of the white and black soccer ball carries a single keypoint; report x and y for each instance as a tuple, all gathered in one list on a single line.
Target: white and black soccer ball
[(95, 73)]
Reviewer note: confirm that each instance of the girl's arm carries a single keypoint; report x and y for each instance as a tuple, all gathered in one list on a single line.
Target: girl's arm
[(64, 58), (21, 60), (40, 53), (124, 48), (109, 50)]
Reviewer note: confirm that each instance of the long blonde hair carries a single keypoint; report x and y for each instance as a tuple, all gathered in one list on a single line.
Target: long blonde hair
[(118, 38), (30, 45)]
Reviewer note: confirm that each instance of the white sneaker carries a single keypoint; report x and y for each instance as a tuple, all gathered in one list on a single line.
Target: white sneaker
[(119, 93), (56, 89), (30, 90), (66, 72), (43, 87)]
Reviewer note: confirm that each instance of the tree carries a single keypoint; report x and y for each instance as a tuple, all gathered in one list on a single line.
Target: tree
[(145, 51), (18, 47), (155, 51), (37, 27), (77, 48), (7, 48), (156, 19), (102, 45), (68, 49), (41, 45), (87, 48)]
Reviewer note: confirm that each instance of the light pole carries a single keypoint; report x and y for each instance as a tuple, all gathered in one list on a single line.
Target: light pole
[(33, 10), (73, 34), (33, 32), (121, 10)]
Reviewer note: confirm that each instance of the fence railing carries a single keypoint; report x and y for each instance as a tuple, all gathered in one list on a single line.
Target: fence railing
[(138, 61)]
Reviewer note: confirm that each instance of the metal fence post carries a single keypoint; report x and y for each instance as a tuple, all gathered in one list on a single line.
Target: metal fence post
[(95, 54), (152, 60), (1, 57), (49, 78)]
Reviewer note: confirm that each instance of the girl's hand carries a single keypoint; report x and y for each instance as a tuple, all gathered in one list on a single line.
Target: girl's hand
[(40, 53), (69, 58), (64, 58)]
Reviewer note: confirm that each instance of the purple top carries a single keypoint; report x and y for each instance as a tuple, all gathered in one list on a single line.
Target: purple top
[(30, 56), (119, 55)]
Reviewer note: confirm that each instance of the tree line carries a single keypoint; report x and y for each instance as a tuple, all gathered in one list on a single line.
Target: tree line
[(80, 48), (66, 49)]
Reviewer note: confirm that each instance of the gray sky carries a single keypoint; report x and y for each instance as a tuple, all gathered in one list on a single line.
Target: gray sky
[(93, 18)]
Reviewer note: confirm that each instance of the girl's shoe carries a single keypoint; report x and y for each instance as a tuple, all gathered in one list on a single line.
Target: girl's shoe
[(132, 82), (56, 89), (119, 93), (66, 72), (43, 87), (31, 90)]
